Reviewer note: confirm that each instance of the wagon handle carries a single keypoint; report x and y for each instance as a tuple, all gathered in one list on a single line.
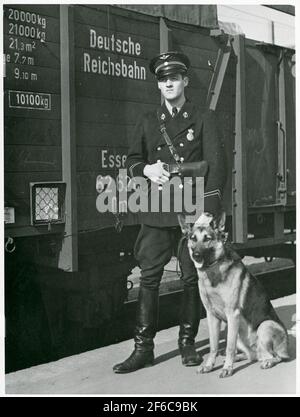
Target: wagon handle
[(281, 175)]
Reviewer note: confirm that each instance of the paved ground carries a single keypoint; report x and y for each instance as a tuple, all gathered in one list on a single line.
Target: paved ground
[(91, 373)]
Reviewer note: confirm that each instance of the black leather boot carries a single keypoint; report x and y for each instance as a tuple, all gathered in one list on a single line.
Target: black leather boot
[(145, 330), (189, 323)]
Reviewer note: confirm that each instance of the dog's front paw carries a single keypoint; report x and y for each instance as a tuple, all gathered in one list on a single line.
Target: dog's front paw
[(204, 369), (267, 364), (226, 372)]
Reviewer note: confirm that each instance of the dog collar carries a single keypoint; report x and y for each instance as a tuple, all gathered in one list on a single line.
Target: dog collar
[(212, 264)]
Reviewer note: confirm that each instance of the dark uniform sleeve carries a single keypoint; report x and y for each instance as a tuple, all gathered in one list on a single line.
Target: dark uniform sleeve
[(214, 154), (137, 156)]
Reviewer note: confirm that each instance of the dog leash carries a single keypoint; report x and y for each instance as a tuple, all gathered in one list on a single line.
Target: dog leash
[(179, 253)]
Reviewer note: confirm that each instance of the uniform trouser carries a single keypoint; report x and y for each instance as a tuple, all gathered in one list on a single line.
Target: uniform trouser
[(153, 250)]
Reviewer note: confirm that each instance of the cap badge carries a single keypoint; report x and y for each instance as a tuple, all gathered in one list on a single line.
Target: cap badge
[(164, 56), (185, 115), (190, 135), (163, 116)]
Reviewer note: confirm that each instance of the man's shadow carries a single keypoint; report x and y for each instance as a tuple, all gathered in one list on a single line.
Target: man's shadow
[(287, 315)]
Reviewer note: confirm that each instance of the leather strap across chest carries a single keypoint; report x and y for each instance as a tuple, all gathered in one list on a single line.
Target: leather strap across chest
[(172, 149)]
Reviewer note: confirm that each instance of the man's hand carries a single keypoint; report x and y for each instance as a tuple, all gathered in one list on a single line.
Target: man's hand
[(156, 173)]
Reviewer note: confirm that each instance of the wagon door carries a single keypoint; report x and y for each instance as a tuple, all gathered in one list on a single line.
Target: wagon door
[(270, 125)]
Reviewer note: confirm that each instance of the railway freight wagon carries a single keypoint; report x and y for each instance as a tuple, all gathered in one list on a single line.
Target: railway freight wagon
[(76, 80)]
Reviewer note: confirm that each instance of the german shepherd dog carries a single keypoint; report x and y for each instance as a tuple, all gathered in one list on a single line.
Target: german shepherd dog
[(231, 294)]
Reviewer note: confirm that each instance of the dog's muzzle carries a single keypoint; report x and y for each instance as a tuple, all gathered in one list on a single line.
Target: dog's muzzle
[(196, 255), (197, 258)]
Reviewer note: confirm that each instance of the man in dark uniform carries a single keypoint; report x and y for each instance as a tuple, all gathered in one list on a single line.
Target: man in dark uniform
[(195, 138)]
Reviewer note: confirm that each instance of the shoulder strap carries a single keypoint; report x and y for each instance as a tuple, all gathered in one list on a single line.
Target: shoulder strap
[(172, 149)]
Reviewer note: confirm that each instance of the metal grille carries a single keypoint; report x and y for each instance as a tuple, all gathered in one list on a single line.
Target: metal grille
[(46, 204)]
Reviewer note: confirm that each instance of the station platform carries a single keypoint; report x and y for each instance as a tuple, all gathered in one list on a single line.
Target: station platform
[(90, 373)]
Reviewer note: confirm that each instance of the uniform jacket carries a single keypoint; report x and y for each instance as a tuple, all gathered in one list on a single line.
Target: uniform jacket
[(148, 145)]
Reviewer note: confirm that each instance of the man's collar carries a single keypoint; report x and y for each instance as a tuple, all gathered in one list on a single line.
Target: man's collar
[(185, 113), (170, 107)]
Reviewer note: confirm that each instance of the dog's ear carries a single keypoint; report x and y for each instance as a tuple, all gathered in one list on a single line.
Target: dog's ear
[(185, 227), (222, 221), (205, 219), (218, 222)]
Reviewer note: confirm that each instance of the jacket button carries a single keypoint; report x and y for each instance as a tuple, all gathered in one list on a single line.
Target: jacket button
[(158, 148), (182, 159), (180, 185), (181, 144)]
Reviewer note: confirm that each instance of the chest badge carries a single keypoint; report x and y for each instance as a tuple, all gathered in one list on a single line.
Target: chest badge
[(163, 116), (190, 135)]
